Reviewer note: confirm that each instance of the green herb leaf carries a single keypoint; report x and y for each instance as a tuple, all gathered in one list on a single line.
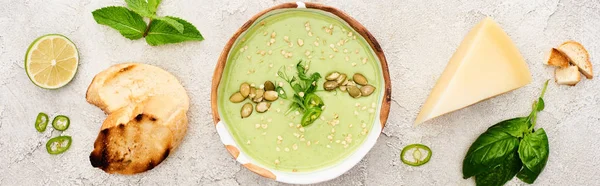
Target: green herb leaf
[(161, 32), (501, 173), (128, 23), (174, 23), (515, 127), (533, 151), (141, 7), (281, 92), (540, 105), (153, 5), (489, 150)]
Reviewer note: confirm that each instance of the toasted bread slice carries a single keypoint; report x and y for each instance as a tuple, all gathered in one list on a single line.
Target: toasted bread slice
[(147, 117), (555, 58), (578, 56), (130, 83), (567, 76)]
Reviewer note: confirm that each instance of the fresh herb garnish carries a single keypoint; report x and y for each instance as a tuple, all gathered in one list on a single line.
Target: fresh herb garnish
[(161, 30), (304, 100), (511, 147)]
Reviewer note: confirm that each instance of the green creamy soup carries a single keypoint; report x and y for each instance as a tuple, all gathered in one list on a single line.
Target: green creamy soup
[(279, 41)]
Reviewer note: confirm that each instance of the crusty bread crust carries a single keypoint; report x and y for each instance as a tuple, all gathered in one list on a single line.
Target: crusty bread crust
[(555, 58), (146, 121), (579, 56)]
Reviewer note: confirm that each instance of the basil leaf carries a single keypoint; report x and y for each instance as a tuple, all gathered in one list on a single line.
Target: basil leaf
[(489, 150), (176, 25), (140, 7), (153, 5), (540, 105), (515, 127), (533, 152), (128, 23), (502, 173), (161, 32)]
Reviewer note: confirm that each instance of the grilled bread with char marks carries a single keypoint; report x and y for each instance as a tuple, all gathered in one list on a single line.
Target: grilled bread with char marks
[(146, 121)]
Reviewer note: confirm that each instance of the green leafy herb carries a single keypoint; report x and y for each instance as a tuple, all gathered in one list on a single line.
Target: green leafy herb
[(501, 173), (160, 30), (533, 151), (511, 147), (128, 23), (304, 99)]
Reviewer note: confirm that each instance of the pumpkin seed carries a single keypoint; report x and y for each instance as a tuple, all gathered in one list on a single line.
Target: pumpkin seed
[(252, 92), (245, 89), (237, 97), (360, 79), (262, 107), (259, 96), (332, 76), (343, 88), (246, 110), (271, 95), (341, 79), (269, 86), (367, 90), (330, 85), (354, 91)]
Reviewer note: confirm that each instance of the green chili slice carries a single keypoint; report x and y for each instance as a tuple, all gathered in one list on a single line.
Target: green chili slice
[(41, 122), (312, 100), (61, 123), (310, 116), (417, 154), (58, 144)]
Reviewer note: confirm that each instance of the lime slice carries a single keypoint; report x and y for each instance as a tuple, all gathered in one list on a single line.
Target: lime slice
[(51, 61)]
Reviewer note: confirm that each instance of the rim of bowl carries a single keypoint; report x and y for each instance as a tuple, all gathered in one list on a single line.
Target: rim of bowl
[(319, 175)]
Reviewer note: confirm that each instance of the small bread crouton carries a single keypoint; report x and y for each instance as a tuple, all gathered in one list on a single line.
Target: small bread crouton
[(578, 56), (567, 76), (555, 58)]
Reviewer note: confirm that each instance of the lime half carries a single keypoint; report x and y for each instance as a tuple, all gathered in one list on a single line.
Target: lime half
[(51, 61)]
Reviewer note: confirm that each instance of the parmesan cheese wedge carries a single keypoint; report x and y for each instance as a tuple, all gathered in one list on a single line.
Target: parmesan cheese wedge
[(486, 64)]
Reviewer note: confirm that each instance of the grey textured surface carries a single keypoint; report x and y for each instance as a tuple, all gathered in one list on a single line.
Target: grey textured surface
[(417, 36)]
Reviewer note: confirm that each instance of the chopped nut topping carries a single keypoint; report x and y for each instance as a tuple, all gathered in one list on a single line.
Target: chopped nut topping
[(300, 42)]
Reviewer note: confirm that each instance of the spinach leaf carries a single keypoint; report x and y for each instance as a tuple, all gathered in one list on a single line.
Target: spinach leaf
[(533, 152), (502, 173), (489, 150)]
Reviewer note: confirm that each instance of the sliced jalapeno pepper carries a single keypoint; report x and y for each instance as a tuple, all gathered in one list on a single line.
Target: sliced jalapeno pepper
[(61, 123), (417, 154), (312, 100), (41, 122), (58, 144), (310, 116)]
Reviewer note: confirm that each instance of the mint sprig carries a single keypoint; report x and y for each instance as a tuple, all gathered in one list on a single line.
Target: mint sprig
[(129, 21)]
